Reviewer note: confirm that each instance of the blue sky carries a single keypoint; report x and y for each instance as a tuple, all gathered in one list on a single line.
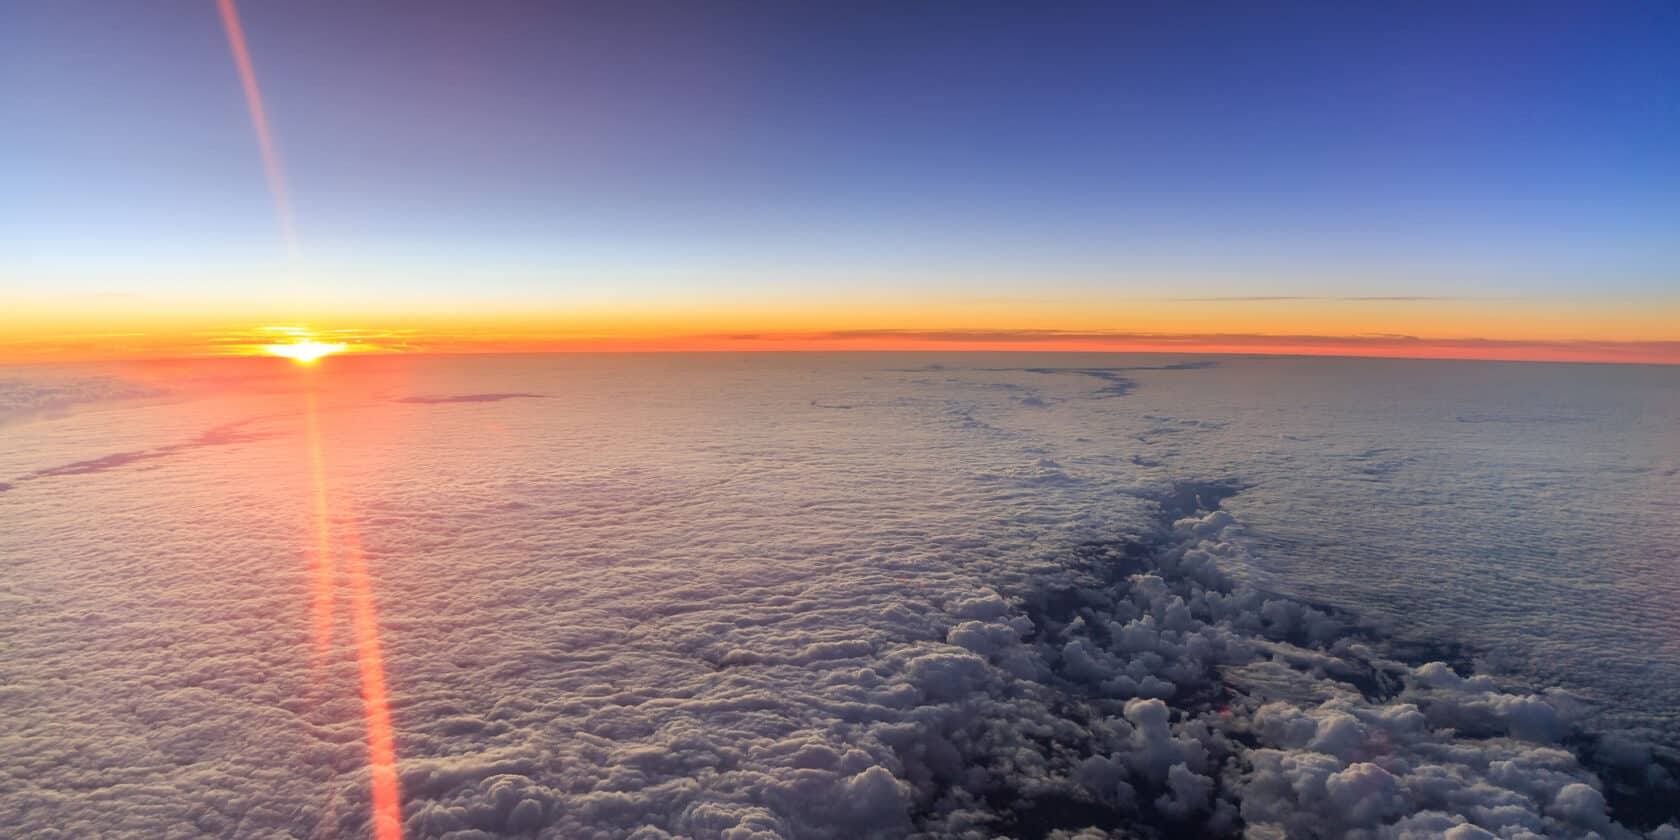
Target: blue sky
[(1127, 149)]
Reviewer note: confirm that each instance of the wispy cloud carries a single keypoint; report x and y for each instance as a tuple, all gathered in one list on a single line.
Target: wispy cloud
[(464, 398), (1371, 344), (1343, 298)]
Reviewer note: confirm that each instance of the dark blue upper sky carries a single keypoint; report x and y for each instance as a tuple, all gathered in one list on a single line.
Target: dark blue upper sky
[(1222, 148)]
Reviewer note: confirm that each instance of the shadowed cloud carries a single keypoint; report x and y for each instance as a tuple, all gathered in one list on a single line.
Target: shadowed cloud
[(230, 433), (465, 398)]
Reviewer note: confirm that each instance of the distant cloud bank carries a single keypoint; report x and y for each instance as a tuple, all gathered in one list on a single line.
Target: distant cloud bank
[(1383, 345)]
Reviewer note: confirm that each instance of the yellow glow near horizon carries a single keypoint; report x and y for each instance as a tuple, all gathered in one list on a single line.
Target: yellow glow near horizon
[(64, 329), (304, 352)]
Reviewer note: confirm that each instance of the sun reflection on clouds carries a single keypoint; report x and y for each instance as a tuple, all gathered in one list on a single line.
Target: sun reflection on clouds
[(336, 546)]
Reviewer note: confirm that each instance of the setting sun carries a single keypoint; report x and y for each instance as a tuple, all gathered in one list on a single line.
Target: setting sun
[(305, 352), (902, 421)]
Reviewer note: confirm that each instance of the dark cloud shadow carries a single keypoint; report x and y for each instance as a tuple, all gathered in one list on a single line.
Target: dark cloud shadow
[(1115, 384), (1522, 419), (465, 398), (223, 435)]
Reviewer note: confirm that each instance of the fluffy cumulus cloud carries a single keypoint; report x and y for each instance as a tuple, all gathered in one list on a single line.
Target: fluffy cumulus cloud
[(1204, 705), (902, 620), (1139, 692)]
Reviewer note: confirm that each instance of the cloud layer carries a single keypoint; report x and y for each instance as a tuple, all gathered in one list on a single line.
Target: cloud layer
[(985, 600)]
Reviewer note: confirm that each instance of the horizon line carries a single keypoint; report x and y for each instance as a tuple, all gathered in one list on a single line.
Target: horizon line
[(1400, 347)]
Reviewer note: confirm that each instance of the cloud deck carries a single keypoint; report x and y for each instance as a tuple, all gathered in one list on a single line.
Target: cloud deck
[(671, 604)]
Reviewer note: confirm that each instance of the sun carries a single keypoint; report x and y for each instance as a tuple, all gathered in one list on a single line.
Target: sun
[(303, 352)]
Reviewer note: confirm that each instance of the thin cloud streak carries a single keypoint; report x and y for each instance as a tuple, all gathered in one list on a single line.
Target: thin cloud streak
[(1343, 298), (1385, 345), (1381, 345)]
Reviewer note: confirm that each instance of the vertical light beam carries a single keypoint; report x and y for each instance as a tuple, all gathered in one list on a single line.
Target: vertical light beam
[(376, 711), (385, 792), (322, 566), (259, 121)]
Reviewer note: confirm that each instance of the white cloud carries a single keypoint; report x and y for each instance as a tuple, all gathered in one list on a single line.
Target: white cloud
[(905, 619)]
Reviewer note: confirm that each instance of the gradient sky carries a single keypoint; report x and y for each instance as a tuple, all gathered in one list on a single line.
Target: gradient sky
[(528, 172)]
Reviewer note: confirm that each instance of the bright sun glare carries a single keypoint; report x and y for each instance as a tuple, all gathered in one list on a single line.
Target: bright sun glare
[(304, 352)]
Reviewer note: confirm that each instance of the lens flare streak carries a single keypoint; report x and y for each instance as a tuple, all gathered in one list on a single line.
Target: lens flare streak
[(321, 558), (326, 561), (259, 122), (376, 711)]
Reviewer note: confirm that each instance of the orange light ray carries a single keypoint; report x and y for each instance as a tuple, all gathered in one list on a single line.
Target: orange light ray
[(259, 121), (376, 710), (385, 795), (321, 562)]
